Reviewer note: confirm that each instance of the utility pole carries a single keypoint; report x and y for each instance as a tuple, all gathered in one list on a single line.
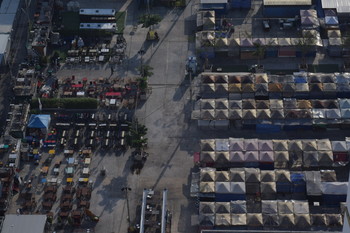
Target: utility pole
[(126, 189)]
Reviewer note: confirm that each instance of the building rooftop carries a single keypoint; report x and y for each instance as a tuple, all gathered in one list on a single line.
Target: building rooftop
[(24, 223)]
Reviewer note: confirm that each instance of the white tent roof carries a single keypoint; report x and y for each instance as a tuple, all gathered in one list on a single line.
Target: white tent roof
[(282, 175), (333, 114), (206, 208), (331, 20), (309, 145), (208, 156), (276, 104), (345, 113), (208, 114), (222, 219), (313, 182), (281, 156), (251, 145), (267, 176), (235, 114), (206, 219), (344, 103), (325, 158), (239, 219), (252, 175), (265, 145), (208, 88), (318, 113), (285, 207), (295, 145), (235, 104), (249, 114), (266, 156), (221, 104), (324, 144), (222, 187), (269, 207), (207, 103), (254, 220), (300, 207), (222, 176), (207, 174), (284, 41), (280, 145), (222, 207), (310, 158), (286, 220), (239, 207), (302, 220), (268, 187), (222, 157), (207, 187), (339, 146), (334, 188), (222, 144), (237, 174), (236, 156), (251, 156), (237, 187), (236, 144), (208, 145)]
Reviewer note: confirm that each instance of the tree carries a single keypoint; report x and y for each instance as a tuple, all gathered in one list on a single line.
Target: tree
[(306, 43), (136, 137), (148, 20), (259, 51), (145, 71)]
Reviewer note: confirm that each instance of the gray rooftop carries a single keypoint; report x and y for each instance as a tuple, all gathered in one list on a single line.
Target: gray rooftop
[(24, 223)]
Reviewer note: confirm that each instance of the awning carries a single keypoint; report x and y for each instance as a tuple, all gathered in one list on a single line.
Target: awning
[(113, 94)]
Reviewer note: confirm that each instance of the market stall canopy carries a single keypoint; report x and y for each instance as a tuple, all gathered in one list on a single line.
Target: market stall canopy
[(265, 145), (206, 219), (334, 188), (309, 145), (269, 207), (302, 220), (235, 88), (239, 219), (261, 78), (329, 87), (222, 176), (290, 103), (206, 207), (222, 144), (259, 41), (209, 23), (280, 145), (237, 188), (309, 21), (334, 220), (286, 220), (235, 114), (252, 175), (221, 114), (319, 113), (207, 174), (222, 207), (301, 87), (263, 114), (221, 88), (325, 158), (235, 104), (268, 188), (284, 41), (318, 219), (206, 78), (234, 42), (208, 88), (254, 220), (236, 144), (328, 176), (295, 145), (266, 156), (282, 175), (238, 207), (285, 207), (272, 41), (267, 176), (222, 157), (345, 113), (222, 187), (251, 156), (276, 104), (208, 156), (339, 146), (237, 175), (331, 20), (333, 114), (313, 183), (344, 103), (221, 42), (270, 220), (304, 104), (335, 41), (222, 219), (39, 121), (334, 33), (207, 187), (281, 156), (310, 12), (251, 145), (310, 158), (262, 104), (208, 145), (207, 104), (277, 114), (246, 42), (300, 207)]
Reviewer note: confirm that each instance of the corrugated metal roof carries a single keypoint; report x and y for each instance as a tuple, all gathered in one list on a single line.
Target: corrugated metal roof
[(6, 22), (24, 223), (342, 6), (287, 2)]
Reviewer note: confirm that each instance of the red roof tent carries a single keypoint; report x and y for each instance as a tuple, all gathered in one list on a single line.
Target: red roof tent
[(113, 94), (77, 85)]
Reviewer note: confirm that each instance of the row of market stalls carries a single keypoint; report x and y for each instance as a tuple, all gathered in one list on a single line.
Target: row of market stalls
[(209, 42), (300, 85), (270, 154), (283, 214)]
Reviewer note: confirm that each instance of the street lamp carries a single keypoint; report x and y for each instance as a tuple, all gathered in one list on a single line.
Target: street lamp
[(126, 190)]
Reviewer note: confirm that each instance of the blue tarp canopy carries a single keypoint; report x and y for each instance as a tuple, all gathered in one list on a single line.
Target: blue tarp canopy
[(39, 121)]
